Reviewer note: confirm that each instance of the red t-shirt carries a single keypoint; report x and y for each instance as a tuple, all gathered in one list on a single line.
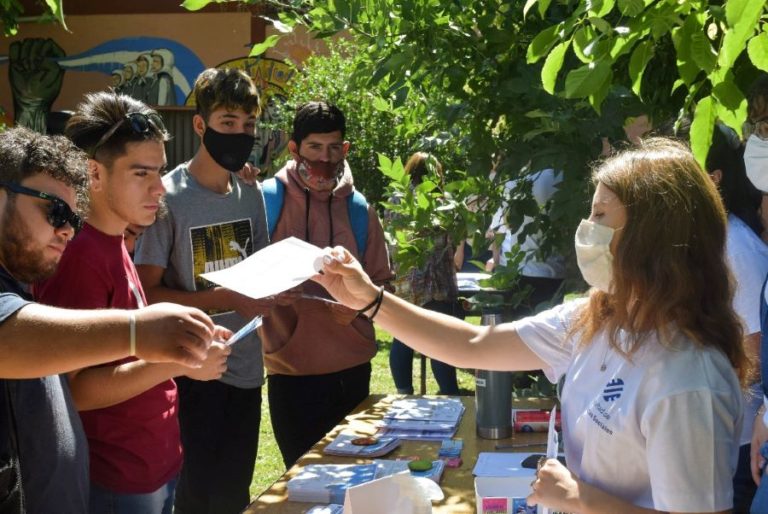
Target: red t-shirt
[(135, 446)]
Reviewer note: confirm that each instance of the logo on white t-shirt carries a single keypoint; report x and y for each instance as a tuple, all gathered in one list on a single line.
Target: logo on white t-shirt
[(613, 390)]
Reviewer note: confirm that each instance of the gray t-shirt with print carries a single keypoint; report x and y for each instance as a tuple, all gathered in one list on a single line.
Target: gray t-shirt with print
[(207, 231)]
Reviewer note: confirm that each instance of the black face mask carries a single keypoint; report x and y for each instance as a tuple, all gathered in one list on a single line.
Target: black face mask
[(230, 151)]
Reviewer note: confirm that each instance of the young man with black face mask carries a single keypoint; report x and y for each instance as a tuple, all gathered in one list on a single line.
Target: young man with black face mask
[(214, 221), (317, 353)]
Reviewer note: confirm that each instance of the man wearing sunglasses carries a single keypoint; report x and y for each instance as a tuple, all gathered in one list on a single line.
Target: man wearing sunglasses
[(43, 188), (128, 407), (215, 220)]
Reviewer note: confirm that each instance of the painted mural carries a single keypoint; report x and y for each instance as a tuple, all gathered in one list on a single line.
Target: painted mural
[(157, 71)]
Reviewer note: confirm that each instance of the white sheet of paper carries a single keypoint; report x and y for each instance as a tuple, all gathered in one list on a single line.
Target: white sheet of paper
[(552, 444), (272, 270), (394, 493)]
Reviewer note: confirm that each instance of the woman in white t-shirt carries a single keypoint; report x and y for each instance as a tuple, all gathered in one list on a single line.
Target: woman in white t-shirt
[(653, 358)]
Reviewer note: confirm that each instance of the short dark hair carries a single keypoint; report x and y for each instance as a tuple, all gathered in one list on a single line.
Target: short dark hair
[(224, 87), (98, 114), (317, 118), (24, 153), (757, 100)]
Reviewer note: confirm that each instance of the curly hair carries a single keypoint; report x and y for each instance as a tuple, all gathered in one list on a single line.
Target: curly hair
[(24, 153), (669, 268)]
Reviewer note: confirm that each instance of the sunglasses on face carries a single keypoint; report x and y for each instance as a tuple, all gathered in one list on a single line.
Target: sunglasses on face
[(59, 212), (140, 124)]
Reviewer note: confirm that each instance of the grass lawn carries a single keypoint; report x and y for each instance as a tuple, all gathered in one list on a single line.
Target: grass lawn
[(269, 464)]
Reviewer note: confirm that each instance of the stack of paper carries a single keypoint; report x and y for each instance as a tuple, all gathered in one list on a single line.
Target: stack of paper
[(343, 446), (327, 483), (431, 419)]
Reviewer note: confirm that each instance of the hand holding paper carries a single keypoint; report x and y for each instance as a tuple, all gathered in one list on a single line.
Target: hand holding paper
[(271, 270)]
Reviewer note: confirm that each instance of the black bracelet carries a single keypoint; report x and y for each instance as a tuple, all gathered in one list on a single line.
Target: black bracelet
[(379, 299), (375, 300)]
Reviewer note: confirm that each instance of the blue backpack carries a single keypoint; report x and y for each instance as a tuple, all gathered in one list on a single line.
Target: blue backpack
[(357, 207)]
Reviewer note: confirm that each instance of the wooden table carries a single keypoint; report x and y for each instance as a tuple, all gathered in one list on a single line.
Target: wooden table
[(457, 484)]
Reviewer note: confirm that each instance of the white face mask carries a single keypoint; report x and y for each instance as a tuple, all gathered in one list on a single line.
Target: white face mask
[(756, 162), (593, 254)]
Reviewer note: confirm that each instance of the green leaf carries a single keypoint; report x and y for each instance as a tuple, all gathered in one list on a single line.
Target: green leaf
[(735, 10), (196, 5), (542, 43), (631, 8), (57, 8), (701, 51), (543, 6), (584, 81), (583, 39), (381, 105), (743, 17), (393, 170), (278, 25), (758, 51), (601, 25), (599, 94), (702, 126), (601, 8), (731, 103), (552, 66), (527, 7), (265, 45), (641, 55), (681, 37)]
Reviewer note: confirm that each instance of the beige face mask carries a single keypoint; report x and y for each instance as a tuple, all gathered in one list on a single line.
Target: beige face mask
[(593, 254)]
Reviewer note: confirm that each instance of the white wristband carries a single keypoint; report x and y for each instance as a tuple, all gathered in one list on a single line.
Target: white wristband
[(132, 328)]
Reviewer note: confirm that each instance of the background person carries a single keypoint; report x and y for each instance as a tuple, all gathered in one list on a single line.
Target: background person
[(433, 287), (652, 358)]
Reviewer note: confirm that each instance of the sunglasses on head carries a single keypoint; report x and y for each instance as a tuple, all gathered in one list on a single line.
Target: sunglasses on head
[(139, 123), (59, 212)]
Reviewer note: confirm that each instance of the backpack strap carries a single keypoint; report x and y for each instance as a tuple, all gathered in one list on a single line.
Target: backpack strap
[(357, 208), (274, 196)]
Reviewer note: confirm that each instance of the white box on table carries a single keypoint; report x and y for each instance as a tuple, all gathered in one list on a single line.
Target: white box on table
[(503, 495)]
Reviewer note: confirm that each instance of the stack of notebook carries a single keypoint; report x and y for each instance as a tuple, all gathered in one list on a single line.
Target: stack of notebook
[(327, 483), (430, 419)]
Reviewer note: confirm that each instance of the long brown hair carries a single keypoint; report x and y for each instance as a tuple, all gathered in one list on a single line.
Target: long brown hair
[(669, 269)]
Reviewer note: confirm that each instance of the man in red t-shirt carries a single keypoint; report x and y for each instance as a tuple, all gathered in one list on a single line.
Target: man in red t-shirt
[(129, 408)]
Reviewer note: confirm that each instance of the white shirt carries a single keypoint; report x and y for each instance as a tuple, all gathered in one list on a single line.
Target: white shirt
[(544, 185), (659, 432), (747, 257)]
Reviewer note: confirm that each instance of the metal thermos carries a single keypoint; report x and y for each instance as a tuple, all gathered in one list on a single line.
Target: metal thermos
[(493, 396)]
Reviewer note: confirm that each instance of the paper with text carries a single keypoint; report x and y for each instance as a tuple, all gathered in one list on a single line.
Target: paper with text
[(272, 270)]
